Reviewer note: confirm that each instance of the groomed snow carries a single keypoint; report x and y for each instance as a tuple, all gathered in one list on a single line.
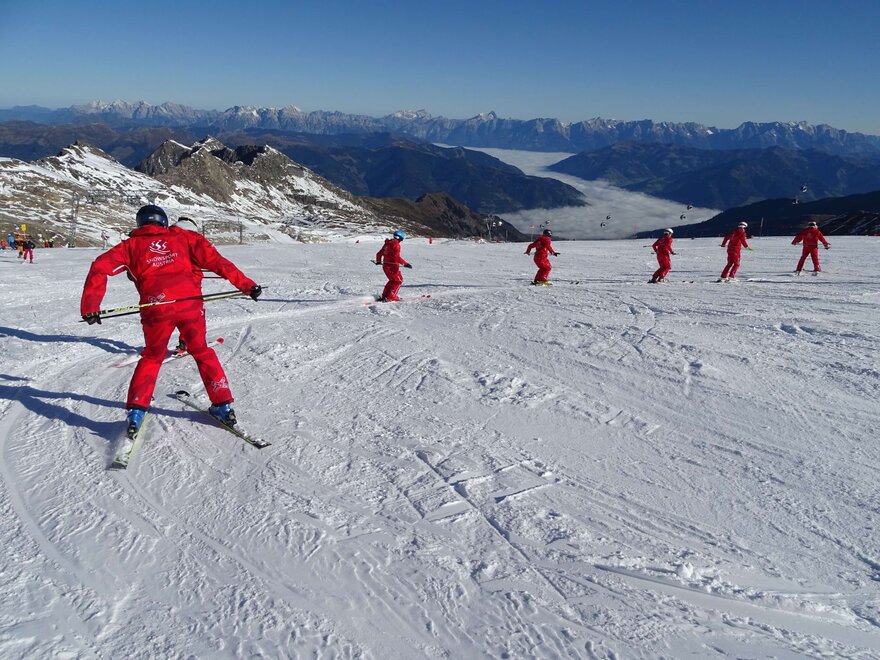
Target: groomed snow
[(598, 469)]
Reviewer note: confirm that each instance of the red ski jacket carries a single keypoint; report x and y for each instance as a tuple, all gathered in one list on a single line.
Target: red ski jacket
[(663, 245), (542, 245), (811, 236), (735, 239), (161, 262), (389, 254)]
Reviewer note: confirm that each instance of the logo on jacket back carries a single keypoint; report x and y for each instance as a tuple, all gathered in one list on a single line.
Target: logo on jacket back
[(159, 247), (161, 254)]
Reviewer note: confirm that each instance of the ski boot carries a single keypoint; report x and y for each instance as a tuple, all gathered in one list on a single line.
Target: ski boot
[(181, 347), (223, 413), (135, 419)]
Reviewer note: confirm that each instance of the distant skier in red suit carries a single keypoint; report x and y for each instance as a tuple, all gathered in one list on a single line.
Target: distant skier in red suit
[(811, 236), (389, 258), (543, 246), (663, 249), (735, 241)]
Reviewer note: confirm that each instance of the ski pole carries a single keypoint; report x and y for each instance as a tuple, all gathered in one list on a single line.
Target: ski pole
[(136, 309), (207, 296), (389, 263)]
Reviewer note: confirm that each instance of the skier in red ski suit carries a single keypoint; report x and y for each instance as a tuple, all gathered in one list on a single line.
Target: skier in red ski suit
[(161, 261), (389, 258), (811, 236), (28, 250), (735, 241), (543, 245), (663, 249)]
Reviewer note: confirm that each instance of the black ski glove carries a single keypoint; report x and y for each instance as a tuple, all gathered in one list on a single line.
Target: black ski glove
[(256, 292), (378, 263), (407, 265), (92, 318), (556, 254)]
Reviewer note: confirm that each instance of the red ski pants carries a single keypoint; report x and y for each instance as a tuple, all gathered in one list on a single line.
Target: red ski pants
[(395, 280), (813, 252), (544, 268), (27, 252), (733, 257), (665, 266), (156, 336)]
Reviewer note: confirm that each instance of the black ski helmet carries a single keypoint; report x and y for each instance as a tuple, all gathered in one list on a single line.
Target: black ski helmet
[(547, 232), (151, 214)]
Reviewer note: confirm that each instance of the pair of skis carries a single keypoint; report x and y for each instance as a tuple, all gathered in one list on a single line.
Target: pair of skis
[(129, 444), (377, 299)]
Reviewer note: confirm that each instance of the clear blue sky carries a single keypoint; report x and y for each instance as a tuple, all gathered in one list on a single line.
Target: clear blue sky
[(715, 62)]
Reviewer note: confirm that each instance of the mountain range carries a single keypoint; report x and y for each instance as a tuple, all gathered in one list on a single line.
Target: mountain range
[(483, 130), (725, 178), (391, 172), (254, 191), (375, 165)]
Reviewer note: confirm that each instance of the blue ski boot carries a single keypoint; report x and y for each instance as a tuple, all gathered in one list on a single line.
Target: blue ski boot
[(224, 413), (135, 419)]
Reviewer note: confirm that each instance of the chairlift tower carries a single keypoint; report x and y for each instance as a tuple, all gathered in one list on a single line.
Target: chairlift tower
[(71, 239)]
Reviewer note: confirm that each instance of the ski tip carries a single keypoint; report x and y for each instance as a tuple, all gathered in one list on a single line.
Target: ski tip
[(182, 393)]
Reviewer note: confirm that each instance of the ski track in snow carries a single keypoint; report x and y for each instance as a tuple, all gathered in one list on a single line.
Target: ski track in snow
[(598, 469)]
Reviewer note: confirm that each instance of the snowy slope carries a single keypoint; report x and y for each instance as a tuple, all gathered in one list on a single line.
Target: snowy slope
[(601, 469)]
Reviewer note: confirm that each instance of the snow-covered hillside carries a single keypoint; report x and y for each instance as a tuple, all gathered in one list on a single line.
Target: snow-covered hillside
[(104, 195), (598, 469)]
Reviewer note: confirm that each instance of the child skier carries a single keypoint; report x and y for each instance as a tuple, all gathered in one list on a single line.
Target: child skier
[(543, 245), (161, 262), (27, 250), (735, 242), (389, 258), (663, 249), (811, 236)]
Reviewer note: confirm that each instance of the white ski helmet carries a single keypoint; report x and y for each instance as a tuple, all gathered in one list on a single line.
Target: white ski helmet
[(667, 231), (743, 225), (186, 223)]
